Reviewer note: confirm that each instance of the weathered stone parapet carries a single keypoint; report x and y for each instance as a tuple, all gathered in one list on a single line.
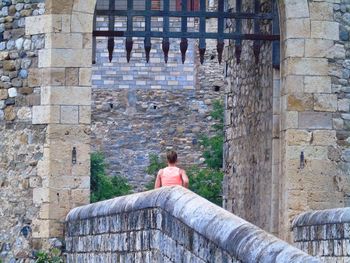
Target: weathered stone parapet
[(324, 233), (170, 224)]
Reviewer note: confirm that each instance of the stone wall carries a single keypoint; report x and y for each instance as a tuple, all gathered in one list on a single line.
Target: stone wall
[(22, 144), (324, 233), (248, 136), (303, 133), (169, 225), (144, 108)]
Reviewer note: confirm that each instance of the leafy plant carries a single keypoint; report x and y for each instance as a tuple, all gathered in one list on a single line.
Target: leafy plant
[(213, 146), (207, 183), (53, 256), (103, 186)]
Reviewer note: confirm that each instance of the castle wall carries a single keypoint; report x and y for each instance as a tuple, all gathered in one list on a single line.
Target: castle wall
[(144, 108), (21, 143), (308, 116)]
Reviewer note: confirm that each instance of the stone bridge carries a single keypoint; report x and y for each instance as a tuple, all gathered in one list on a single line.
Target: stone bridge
[(170, 224)]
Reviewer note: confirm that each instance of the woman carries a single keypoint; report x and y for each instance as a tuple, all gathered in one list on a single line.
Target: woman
[(171, 175)]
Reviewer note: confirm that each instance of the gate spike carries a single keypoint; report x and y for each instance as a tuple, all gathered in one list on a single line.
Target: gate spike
[(166, 47), (128, 47), (183, 48), (220, 49), (256, 50), (201, 54), (238, 51), (110, 47), (148, 47)]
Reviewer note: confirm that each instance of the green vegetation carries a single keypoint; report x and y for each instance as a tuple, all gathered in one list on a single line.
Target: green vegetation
[(103, 186), (207, 181), (155, 164), (53, 256)]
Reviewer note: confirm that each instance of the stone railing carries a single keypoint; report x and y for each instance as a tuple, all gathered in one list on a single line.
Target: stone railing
[(170, 224), (325, 234)]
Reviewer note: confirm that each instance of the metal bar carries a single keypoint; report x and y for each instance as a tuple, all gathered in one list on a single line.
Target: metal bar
[(233, 15), (184, 42), (202, 29), (111, 22), (238, 29), (220, 40), (257, 44), (147, 40), (275, 30), (208, 35), (129, 29), (166, 43), (94, 45)]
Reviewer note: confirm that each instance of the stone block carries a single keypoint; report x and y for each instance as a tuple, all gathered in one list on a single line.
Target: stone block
[(41, 195), (43, 24), (310, 152), (53, 76), (66, 95), (321, 11), (46, 114), (326, 102), (344, 105), (82, 167), (34, 77), (298, 28), (306, 66), (318, 84), (59, 6), (9, 65), (87, 40), (325, 30), (3, 94), (69, 133), (300, 102), (84, 6), (324, 137), (10, 113), (81, 22), (85, 114), (292, 84), (296, 9), (64, 40), (72, 76), (318, 48), (69, 114), (41, 228), (294, 47), (24, 113), (315, 120), (289, 120), (298, 137), (85, 76), (58, 58), (80, 197)]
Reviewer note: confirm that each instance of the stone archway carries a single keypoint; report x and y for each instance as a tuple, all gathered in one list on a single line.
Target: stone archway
[(65, 108)]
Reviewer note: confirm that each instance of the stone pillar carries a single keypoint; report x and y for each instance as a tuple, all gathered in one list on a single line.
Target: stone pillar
[(311, 164), (65, 71)]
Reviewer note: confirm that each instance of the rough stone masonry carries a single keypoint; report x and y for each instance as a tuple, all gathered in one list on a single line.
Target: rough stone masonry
[(143, 108)]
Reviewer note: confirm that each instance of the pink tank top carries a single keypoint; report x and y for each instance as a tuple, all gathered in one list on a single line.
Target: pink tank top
[(171, 176)]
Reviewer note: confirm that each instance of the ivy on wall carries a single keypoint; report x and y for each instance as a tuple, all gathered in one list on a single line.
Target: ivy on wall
[(103, 186)]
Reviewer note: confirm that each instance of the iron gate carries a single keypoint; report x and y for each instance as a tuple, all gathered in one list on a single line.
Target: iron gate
[(201, 13)]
